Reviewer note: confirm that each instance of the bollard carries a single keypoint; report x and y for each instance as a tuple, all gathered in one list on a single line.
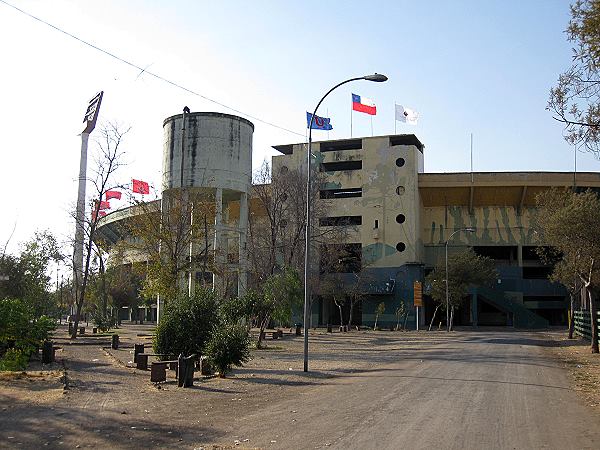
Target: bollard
[(47, 352), (142, 361), (280, 333), (275, 335), (94, 330), (115, 342), (137, 349), (329, 328), (298, 329), (81, 330)]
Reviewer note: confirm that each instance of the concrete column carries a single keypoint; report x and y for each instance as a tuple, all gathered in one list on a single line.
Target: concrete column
[(218, 255), (520, 255), (243, 228)]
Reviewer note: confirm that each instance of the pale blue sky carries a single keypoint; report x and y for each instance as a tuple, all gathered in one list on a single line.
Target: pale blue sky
[(481, 67)]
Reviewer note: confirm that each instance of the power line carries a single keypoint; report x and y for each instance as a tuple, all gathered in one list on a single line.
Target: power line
[(142, 69)]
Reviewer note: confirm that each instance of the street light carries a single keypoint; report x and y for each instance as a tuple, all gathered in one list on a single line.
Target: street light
[(468, 230), (378, 78)]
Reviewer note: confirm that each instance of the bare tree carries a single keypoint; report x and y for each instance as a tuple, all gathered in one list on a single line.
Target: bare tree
[(108, 160)]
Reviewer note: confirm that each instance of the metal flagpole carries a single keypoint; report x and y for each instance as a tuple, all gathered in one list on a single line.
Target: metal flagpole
[(575, 170), (471, 157), (350, 116)]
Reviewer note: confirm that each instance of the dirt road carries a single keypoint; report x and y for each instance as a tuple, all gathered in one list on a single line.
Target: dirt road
[(476, 391), (492, 390)]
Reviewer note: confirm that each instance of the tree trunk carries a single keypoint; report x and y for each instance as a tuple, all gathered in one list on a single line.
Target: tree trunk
[(104, 293), (375, 326), (594, 322), (433, 318), (572, 316), (398, 322), (405, 320), (451, 319), (341, 315), (350, 316), (263, 325)]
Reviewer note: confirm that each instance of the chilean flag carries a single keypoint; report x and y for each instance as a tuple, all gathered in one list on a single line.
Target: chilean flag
[(364, 105)]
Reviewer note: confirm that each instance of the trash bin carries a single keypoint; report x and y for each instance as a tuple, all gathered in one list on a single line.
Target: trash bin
[(47, 352), (298, 329), (137, 349), (115, 342)]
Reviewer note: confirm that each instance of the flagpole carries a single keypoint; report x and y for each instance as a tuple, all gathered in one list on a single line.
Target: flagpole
[(371, 126), (351, 118), (395, 119), (471, 158), (330, 123)]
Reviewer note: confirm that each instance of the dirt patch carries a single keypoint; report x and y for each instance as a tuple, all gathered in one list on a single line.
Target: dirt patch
[(583, 367), (35, 387)]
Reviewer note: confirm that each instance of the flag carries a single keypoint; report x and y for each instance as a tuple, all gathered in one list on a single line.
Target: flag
[(364, 105), (320, 123), (140, 187), (112, 194), (100, 214), (104, 205), (406, 115)]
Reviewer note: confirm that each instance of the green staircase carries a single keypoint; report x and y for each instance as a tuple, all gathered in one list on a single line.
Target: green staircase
[(522, 317)]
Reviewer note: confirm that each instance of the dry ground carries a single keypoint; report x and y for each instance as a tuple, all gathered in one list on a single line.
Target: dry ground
[(110, 405)]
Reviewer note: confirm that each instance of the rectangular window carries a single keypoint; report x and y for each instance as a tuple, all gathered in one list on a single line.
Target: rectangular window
[(341, 166), (340, 221), (347, 144), (340, 193), (376, 224), (536, 273)]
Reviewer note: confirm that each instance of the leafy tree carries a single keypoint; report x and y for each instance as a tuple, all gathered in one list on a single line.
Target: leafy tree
[(401, 313), (28, 273), (187, 324), (575, 100), (569, 222), (281, 292), (378, 311), (229, 345), (241, 309), (464, 269)]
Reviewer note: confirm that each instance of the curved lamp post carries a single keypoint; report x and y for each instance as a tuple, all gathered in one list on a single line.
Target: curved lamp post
[(376, 77), (468, 230)]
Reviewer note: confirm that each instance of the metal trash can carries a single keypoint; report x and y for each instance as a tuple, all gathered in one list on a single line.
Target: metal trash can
[(47, 352), (137, 349), (115, 342)]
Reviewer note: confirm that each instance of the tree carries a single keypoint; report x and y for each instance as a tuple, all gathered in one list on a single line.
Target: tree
[(569, 222), (465, 269), (280, 293), (401, 313), (28, 273), (187, 324), (575, 100), (378, 311), (107, 162)]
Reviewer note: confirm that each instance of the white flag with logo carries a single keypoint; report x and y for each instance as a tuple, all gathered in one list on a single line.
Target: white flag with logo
[(406, 115)]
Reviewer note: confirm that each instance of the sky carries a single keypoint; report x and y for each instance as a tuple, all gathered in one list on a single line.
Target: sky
[(480, 67)]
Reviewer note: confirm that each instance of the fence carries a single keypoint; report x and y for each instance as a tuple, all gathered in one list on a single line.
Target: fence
[(583, 326)]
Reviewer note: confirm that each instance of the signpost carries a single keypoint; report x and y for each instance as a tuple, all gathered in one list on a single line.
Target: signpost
[(418, 298)]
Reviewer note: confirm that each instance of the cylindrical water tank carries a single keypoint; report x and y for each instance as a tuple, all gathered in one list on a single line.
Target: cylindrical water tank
[(217, 151)]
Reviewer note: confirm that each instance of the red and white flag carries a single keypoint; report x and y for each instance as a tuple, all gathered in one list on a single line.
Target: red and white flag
[(364, 105), (140, 187), (100, 214), (104, 205), (112, 194)]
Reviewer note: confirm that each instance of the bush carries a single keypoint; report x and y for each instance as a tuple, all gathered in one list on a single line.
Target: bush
[(21, 334), (14, 359), (104, 323), (187, 324), (229, 345)]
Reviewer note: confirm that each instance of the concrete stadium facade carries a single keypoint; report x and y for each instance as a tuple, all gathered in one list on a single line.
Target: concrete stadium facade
[(401, 216)]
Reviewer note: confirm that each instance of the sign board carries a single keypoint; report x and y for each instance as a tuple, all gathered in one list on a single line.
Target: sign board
[(418, 294), (91, 114)]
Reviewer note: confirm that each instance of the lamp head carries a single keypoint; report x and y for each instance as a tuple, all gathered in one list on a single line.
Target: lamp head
[(377, 77)]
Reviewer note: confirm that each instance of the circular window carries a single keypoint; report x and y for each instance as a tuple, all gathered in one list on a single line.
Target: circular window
[(284, 169), (400, 162), (400, 218), (400, 190), (400, 246)]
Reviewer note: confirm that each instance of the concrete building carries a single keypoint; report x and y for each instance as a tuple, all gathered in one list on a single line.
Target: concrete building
[(403, 217)]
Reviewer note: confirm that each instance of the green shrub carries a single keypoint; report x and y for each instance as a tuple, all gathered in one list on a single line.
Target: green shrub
[(14, 359), (187, 324), (104, 323), (229, 345)]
